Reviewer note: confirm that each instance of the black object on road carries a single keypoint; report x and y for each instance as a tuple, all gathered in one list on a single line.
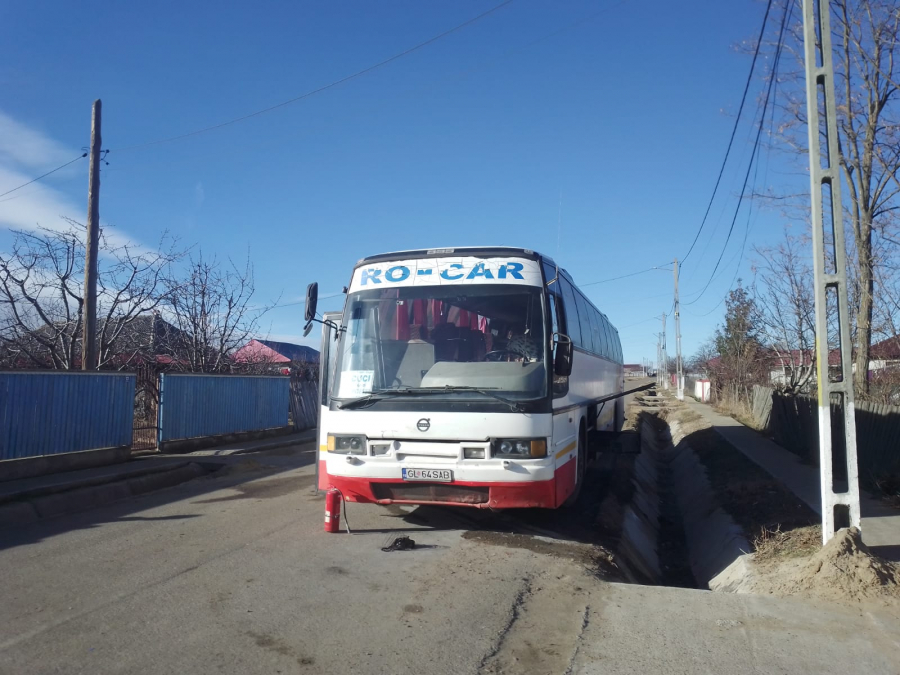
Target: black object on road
[(402, 543)]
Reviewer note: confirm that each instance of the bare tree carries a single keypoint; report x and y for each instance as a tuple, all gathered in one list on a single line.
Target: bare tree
[(866, 40), (870, 146), (211, 311), (784, 308), (41, 291), (704, 359)]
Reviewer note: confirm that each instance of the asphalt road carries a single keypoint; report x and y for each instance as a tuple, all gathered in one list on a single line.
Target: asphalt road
[(232, 573)]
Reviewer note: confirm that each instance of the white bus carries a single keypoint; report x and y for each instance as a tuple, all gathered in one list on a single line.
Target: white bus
[(466, 376)]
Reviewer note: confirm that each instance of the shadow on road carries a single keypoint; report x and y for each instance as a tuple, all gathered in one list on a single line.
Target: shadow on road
[(237, 472), (595, 518)]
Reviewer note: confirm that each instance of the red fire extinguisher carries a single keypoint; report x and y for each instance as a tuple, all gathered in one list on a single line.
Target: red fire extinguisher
[(332, 510)]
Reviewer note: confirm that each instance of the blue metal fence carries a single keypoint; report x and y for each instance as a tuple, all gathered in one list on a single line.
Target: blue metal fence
[(48, 413), (210, 405)]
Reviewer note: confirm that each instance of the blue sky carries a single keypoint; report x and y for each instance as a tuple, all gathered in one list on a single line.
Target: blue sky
[(495, 134)]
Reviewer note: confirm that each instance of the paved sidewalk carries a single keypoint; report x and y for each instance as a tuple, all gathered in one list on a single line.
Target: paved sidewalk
[(36, 486), (880, 524), (244, 447), (27, 500)]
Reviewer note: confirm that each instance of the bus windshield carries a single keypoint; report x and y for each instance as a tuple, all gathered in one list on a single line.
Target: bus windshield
[(452, 338)]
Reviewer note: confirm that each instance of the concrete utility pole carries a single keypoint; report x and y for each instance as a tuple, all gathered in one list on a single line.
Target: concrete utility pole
[(89, 356), (657, 358), (665, 357), (839, 509), (679, 368)]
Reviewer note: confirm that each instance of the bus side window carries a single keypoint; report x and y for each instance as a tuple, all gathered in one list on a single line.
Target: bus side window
[(601, 346), (551, 277), (570, 311), (554, 321), (584, 314), (610, 336), (557, 325)]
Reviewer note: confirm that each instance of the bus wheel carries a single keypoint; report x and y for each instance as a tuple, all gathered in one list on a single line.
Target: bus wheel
[(580, 468)]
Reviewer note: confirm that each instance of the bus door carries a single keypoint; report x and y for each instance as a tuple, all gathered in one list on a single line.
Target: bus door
[(327, 355)]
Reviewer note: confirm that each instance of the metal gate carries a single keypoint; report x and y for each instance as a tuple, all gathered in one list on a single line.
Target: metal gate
[(146, 409), (304, 400)]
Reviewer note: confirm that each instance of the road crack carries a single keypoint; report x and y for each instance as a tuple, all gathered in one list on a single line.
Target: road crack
[(585, 619), (515, 611)]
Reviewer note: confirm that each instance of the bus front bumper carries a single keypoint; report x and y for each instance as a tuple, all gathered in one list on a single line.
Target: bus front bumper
[(483, 495)]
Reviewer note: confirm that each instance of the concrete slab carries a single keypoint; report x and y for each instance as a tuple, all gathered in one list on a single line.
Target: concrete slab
[(714, 539), (640, 520), (639, 629)]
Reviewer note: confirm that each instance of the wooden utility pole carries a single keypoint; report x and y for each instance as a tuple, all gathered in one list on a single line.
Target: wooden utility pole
[(679, 364), (89, 356)]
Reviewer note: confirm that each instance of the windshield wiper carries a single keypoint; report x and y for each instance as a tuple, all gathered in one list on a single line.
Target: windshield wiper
[(379, 394), (372, 397), (484, 391)]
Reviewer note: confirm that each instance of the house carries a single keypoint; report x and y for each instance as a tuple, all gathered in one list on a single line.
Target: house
[(124, 343), (634, 370), (885, 355), (284, 357)]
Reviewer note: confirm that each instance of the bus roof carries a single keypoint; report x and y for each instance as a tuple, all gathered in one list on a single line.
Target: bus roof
[(477, 251)]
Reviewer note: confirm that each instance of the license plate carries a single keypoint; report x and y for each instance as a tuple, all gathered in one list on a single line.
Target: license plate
[(439, 475)]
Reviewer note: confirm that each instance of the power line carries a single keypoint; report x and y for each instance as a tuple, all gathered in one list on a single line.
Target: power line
[(624, 276), (739, 255), (638, 323), (44, 175), (749, 223), (735, 128), (39, 188), (784, 20), (330, 85), (303, 302)]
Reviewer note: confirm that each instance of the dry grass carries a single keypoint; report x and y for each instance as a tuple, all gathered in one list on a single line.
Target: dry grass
[(773, 544), (889, 487), (689, 416), (739, 411)]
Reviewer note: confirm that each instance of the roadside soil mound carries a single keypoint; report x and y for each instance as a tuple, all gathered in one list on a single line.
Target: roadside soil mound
[(844, 569)]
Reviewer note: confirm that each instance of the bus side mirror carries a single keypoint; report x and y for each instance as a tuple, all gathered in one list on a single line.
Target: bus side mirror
[(562, 359), (312, 298)]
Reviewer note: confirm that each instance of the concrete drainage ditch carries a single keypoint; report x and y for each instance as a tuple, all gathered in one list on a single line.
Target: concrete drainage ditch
[(674, 532)]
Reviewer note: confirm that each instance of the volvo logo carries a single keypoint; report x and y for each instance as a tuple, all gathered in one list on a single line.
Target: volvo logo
[(423, 424)]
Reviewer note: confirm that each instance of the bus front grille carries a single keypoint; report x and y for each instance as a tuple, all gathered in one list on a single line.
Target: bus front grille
[(431, 492)]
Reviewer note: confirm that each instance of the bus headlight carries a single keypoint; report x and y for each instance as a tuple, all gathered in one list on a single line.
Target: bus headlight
[(473, 453), (523, 448), (347, 445)]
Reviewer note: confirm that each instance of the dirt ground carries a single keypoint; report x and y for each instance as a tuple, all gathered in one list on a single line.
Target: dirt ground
[(841, 571), (758, 502)]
